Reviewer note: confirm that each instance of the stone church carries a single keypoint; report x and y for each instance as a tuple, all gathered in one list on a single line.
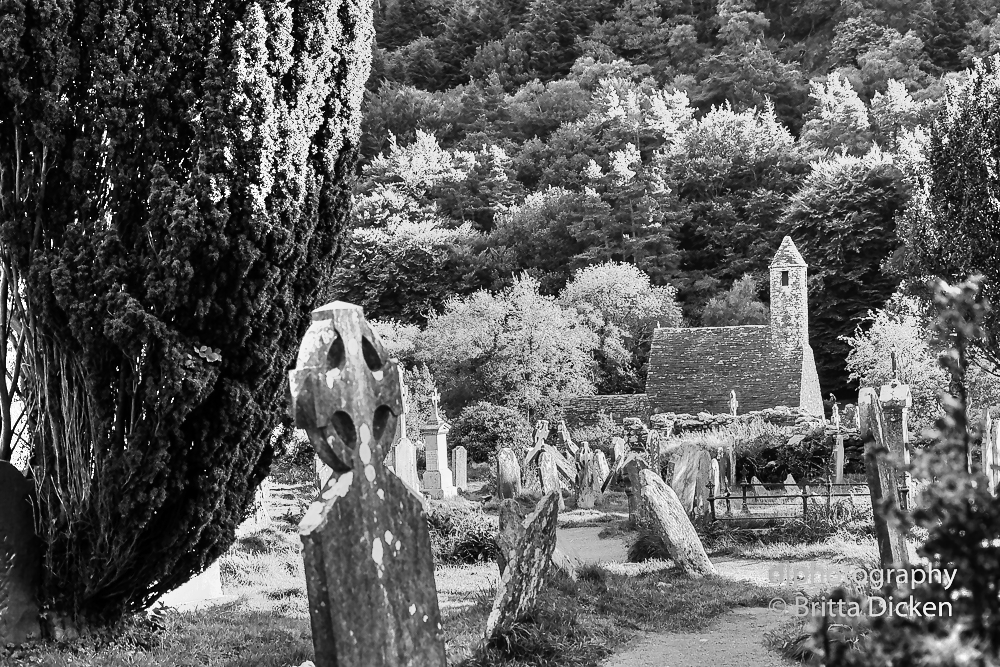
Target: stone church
[(693, 370)]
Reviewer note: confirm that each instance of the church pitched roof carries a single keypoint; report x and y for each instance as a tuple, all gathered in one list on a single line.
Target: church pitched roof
[(788, 254), (696, 368)]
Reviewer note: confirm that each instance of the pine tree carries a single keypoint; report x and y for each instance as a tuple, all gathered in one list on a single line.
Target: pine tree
[(173, 185)]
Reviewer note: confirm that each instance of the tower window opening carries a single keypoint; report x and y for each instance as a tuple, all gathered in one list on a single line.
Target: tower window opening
[(784, 278)]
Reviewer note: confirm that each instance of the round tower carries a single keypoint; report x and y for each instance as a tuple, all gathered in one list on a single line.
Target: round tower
[(789, 299)]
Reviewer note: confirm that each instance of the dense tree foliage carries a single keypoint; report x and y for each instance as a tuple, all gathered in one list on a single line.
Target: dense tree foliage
[(682, 138), (172, 181), (950, 229), (844, 222), (738, 305), (516, 348)]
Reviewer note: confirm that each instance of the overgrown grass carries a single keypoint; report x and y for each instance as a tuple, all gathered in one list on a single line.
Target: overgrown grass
[(579, 624), (227, 635)]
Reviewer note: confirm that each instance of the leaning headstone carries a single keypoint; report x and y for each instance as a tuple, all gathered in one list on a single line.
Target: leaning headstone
[(670, 522), (548, 476), (892, 545), (460, 466), (757, 488), (527, 567), (20, 559), (508, 474), (438, 482), (512, 528), (406, 464), (571, 448), (368, 563)]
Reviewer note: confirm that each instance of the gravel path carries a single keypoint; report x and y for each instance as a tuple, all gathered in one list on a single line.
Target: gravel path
[(734, 640)]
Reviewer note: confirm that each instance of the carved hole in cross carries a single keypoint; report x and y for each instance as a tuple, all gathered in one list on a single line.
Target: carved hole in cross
[(383, 415), (372, 359), (336, 358), (344, 427)]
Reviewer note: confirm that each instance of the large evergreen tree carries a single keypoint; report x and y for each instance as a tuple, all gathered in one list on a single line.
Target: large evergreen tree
[(172, 179)]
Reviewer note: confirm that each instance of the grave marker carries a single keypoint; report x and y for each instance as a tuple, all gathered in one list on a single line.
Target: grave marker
[(526, 569), (460, 466), (369, 569), (438, 482), (508, 474), (548, 476), (892, 545)]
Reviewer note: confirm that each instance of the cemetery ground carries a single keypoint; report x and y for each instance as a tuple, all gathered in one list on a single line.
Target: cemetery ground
[(616, 613)]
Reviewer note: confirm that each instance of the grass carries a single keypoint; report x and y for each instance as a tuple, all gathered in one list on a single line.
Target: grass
[(578, 624)]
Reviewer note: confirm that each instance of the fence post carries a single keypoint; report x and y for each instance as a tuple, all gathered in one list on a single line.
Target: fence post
[(829, 496), (729, 509), (805, 499), (711, 498), (745, 508)]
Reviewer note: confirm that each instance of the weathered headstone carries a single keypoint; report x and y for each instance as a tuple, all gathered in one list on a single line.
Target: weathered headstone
[(893, 549), (512, 529), (838, 459), (589, 481), (527, 567), (20, 559), (757, 488), (460, 466), (438, 482), (369, 569), (692, 473), (571, 447), (601, 465), (669, 520), (405, 453), (734, 405), (548, 476), (508, 474)]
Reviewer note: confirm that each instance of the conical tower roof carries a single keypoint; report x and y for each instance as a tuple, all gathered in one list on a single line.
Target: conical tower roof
[(788, 254)]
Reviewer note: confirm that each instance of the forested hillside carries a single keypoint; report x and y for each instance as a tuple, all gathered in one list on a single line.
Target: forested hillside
[(683, 137)]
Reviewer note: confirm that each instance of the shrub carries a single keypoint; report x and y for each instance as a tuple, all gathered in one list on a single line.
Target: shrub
[(484, 428), (461, 532)]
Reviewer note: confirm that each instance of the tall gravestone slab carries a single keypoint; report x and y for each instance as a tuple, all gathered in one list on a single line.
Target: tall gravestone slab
[(549, 475), (438, 482), (460, 466), (601, 465), (405, 455), (20, 559), (369, 569)]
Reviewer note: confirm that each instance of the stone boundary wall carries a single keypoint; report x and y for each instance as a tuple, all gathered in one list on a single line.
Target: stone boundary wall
[(583, 410), (675, 424)]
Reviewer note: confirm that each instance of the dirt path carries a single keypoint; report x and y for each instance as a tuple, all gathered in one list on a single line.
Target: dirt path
[(733, 640)]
